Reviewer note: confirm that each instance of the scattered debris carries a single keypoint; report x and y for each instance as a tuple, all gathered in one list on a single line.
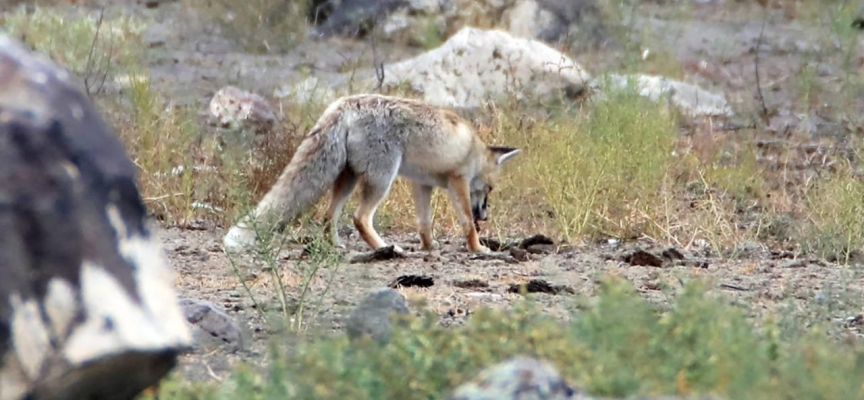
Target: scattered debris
[(471, 284), (536, 244), (734, 287), (519, 254), (672, 254), (412, 281), (642, 258), (541, 249), (382, 254), (539, 286), (493, 256), (496, 245), (538, 239)]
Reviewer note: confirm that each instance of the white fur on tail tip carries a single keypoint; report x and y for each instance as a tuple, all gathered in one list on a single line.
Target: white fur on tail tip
[(239, 238)]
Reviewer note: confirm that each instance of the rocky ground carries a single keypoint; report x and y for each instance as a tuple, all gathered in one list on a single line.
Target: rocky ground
[(715, 47), (767, 283)]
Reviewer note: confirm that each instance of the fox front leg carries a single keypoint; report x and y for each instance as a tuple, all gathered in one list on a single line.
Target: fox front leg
[(423, 204), (460, 195)]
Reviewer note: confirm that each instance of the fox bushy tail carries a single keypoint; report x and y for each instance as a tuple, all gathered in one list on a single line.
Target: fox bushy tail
[(317, 162)]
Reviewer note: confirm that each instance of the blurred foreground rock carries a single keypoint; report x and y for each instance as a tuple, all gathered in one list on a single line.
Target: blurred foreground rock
[(525, 378), (87, 304), (211, 326), (519, 378), (372, 315)]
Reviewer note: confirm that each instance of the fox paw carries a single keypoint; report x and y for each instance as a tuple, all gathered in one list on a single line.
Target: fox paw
[(481, 250), (434, 245)]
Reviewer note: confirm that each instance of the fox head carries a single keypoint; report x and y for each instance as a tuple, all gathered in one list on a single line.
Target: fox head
[(483, 184)]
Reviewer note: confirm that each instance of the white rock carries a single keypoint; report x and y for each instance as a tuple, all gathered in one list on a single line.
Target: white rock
[(691, 99), (475, 65)]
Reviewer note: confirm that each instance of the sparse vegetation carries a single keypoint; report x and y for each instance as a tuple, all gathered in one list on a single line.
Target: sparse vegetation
[(836, 216), (617, 167), (616, 345)]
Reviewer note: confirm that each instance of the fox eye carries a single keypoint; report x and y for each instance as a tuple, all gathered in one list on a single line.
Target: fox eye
[(489, 189)]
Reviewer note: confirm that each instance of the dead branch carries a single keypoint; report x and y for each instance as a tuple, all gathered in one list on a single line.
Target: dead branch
[(379, 65), (759, 95), (89, 65)]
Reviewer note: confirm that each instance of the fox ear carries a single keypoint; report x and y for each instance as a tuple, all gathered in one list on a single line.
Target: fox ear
[(502, 154)]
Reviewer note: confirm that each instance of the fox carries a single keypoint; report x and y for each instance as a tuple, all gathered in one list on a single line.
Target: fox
[(371, 140)]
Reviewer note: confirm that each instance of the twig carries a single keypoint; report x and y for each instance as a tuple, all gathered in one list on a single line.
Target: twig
[(90, 53), (734, 287), (379, 66), (758, 82)]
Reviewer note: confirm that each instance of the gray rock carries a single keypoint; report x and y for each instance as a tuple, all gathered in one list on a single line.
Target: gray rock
[(234, 108), (372, 316), (546, 20), (350, 17), (519, 378), (211, 326), (552, 20)]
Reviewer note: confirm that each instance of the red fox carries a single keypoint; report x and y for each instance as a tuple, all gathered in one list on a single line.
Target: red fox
[(372, 139)]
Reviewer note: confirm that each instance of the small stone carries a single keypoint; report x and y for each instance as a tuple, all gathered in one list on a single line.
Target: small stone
[(234, 108), (211, 326)]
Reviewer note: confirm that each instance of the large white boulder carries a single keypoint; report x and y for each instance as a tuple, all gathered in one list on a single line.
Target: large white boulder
[(475, 65)]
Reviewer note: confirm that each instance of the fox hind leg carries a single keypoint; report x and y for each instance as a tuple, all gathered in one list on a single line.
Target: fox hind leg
[(342, 188), (422, 201), (374, 188)]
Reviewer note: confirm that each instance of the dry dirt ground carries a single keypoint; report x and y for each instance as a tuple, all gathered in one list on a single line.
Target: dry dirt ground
[(192, 62), (764, 283)]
